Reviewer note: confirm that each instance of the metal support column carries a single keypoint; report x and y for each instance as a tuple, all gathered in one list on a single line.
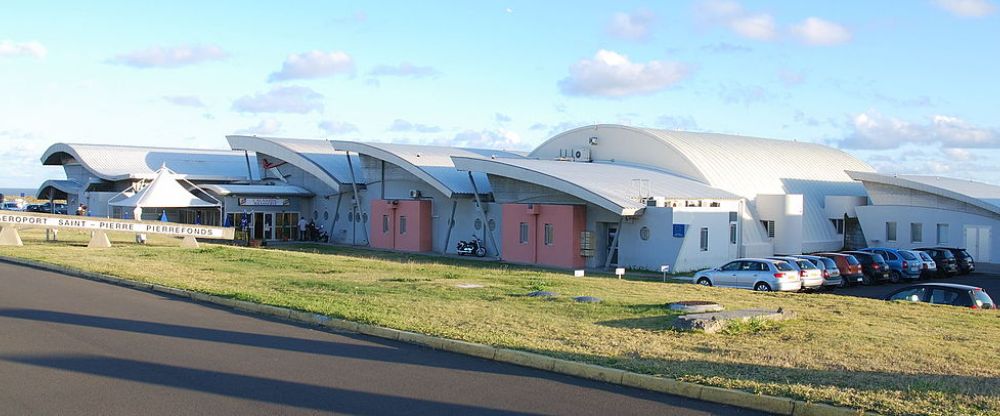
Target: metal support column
[(486, 221), (614, 244)]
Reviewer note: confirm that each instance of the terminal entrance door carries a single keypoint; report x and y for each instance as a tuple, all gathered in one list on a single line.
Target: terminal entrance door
[(270, 226)]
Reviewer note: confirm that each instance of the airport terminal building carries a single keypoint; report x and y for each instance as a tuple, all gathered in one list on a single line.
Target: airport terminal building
[(592, 197)]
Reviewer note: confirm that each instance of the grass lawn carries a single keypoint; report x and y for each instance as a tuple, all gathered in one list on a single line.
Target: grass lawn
[(892, 358)]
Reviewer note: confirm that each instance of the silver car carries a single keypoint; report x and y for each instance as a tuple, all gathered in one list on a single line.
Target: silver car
[(828, 268), (811, 276), (929, 268), (762, 275)]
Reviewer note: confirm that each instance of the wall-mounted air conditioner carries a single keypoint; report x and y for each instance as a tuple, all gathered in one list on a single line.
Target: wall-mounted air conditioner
[(414, 193)]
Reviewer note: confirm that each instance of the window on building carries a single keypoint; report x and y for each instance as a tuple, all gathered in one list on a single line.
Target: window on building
[(942, 233), (890, 231), (704, 238), (522, 236), (644, 233), (916, 232), (385, 224), (549, 234), (732, 233), (838, 224), (768, 227), (478, 224), (402, 224)]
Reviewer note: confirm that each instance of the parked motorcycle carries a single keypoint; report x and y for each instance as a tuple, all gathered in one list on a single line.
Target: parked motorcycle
[(471, 248)]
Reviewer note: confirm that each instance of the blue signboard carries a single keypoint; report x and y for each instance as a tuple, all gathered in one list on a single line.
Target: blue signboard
[(679, 230)]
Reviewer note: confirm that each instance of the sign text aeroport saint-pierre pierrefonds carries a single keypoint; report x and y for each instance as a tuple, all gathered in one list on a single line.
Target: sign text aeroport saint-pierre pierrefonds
[(111, 224)]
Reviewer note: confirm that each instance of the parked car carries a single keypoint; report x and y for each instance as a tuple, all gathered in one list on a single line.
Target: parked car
[(929, 268), (873, 266), (945, 294), (947, 264), (849, 266), (47, 208), (903, 264), (762, 275), (811, 276), (12, 206), (829, 269), (966, 264)]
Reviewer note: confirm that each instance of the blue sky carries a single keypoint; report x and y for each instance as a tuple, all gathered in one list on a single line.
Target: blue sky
[(909, 86)]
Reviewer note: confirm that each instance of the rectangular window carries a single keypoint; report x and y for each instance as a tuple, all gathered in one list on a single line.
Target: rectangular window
[(385, 224), (942, 233), (523, 233), (916, 232), (402, 224), (838, 224), (704, 238), (768, 227), (732, 233), (549, 234), (890, 231)]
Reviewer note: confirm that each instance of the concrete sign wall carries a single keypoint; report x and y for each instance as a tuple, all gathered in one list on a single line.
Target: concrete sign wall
[(110, 224)]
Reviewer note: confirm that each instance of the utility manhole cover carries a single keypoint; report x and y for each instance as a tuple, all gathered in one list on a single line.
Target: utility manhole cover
[(695, 306)]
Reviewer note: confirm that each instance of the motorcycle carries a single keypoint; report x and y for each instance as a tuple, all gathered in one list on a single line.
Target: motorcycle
[(471, 248)]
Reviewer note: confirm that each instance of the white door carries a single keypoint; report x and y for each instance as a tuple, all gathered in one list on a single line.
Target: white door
[(977, 242)]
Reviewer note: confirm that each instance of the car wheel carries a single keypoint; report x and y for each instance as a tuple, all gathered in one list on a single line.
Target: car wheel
[(895, 277), (843, 282), (762, 287), (704, 281), (866, 280)]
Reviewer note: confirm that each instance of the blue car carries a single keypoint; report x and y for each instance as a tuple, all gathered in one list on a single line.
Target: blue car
[(903, 264)]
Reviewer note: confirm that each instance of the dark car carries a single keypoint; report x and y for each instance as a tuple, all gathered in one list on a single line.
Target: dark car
[(947, 264), (945, 294), (966, 264), (850, 268), (873, 266)]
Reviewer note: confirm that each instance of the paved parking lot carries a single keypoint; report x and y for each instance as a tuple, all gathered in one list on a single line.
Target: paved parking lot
[(988, 279)]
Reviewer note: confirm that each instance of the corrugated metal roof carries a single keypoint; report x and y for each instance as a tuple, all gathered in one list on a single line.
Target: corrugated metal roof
[(609, 185), (317, 157), (982, 195), (113, 162), (431, 164), (268, 190), (61, 186)]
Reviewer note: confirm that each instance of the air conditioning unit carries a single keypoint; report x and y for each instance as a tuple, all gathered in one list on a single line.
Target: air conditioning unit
[(580, 154), (414, 193), (656, 201)]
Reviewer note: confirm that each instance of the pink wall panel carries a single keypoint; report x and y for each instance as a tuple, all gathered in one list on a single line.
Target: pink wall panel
[(567, 222), (418, 233)]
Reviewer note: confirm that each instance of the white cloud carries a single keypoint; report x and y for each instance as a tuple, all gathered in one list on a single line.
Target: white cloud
[(758, 26), (170, 57), (872, 130), (184, 100), (632, 26), (501, 118), (404, 69), (314, 64), (610, 74), (266, 126), (403, 125), (730, 14), (292, 99), (500, 139), (337, 127), (790, 77), (967, 8), (670, 122), (962, 155), (819, 32), (19, 151), (11, 49)]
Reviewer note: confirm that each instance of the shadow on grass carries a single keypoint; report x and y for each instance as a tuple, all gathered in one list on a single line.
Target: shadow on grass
[(649, 323)]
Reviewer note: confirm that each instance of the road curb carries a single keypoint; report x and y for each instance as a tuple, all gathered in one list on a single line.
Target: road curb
[(738, 398)]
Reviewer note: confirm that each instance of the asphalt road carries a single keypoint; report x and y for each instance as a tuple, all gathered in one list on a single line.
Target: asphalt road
[(73, 346), (989, 281)]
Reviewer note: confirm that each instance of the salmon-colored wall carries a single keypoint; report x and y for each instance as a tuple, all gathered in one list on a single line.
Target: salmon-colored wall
[(568, 221), (418, 225)]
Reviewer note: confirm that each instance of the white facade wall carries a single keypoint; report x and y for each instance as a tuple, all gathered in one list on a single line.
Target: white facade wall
[(682, 254), (976, 233)]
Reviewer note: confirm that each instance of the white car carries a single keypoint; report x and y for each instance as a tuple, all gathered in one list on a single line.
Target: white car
[(762, 275), (812, 276), (12, 206)]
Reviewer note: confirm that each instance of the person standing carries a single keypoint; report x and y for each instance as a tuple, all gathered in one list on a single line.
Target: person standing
[(302, 228)]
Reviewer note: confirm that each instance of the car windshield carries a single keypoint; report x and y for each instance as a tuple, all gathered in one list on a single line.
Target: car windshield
[(983, 300), (946, 254), (853, 261), (908, 255), (805, 265), (830, 264), (925, 256), (964, 254), (878, 258), (783, 266)]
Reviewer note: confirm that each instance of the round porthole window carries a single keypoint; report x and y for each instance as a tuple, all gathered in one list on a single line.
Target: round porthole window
[(315, 215), (326, 215), (492, 224), (479, 224), (644, 233)]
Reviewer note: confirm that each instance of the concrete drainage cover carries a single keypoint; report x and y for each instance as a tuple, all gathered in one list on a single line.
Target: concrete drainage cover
[(468, 286), (715, 321), (695, 306), (587, 299), (542, 294)]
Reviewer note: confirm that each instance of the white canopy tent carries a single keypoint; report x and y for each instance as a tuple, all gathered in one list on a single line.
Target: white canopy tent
[(163, 192)]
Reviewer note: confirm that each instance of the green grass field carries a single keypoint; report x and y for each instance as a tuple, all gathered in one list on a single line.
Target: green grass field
[(892, 358)]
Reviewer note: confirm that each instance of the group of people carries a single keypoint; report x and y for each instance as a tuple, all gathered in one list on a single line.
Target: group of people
[(309, 231)]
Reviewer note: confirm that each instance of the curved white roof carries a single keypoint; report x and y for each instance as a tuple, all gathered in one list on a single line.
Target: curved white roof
[(607, 185), (746, 166), (60, 187), (316, 157), (261, 190), (432, 164), (978, 194), (113, 162)]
